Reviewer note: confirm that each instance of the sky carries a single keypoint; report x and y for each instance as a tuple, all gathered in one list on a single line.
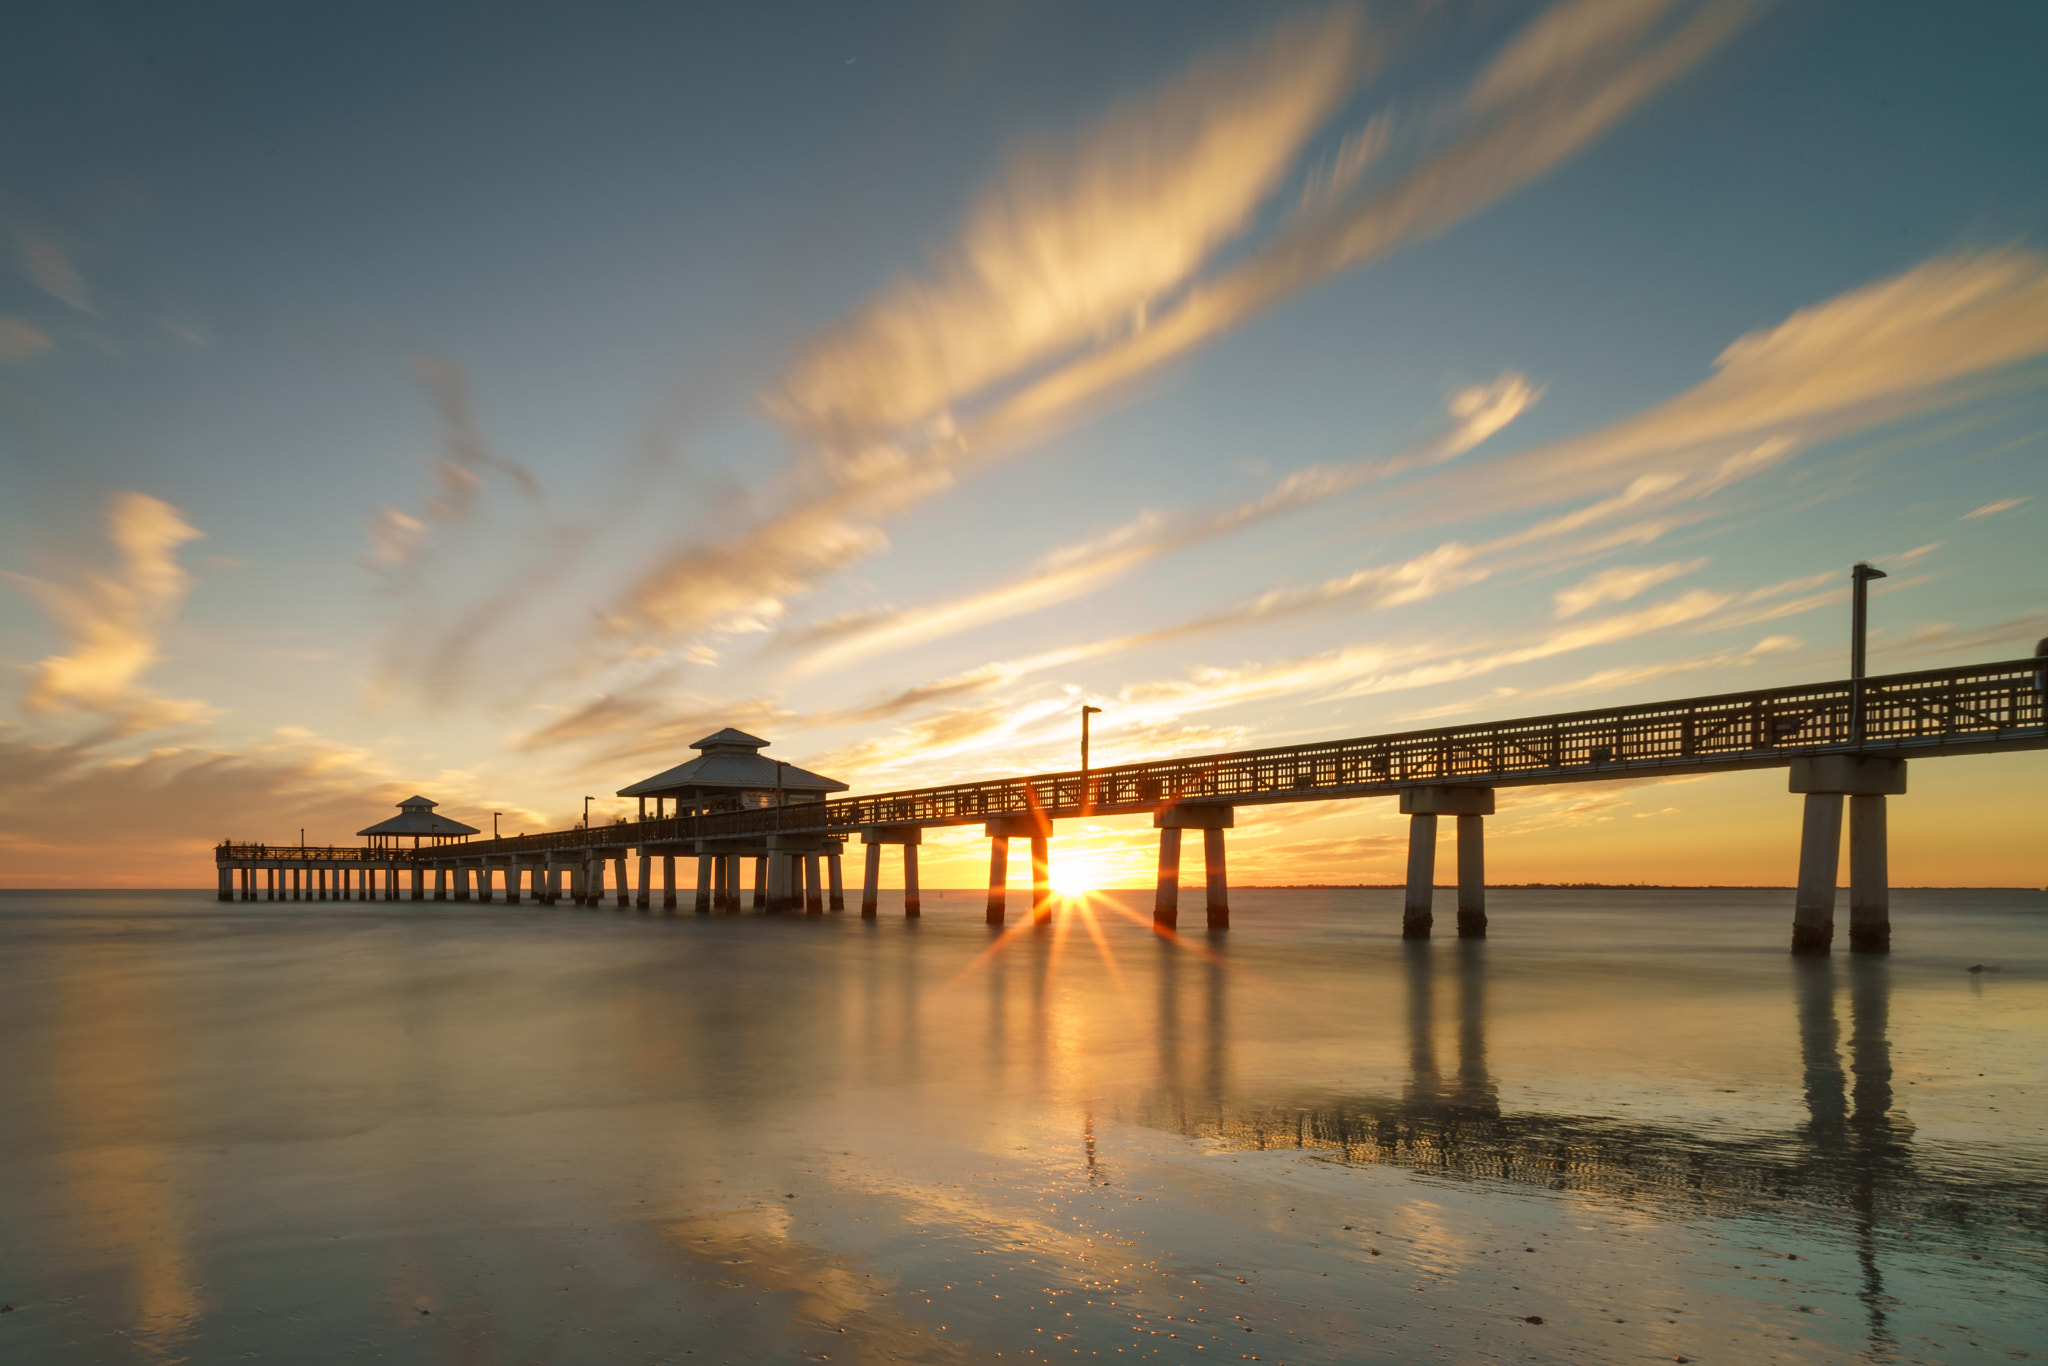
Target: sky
[(490, 401)]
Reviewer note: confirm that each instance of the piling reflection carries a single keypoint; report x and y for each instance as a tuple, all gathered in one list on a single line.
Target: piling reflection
[(1849, 1163)]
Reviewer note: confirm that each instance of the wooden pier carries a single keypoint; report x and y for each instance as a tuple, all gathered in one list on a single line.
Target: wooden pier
[(1849, 739)]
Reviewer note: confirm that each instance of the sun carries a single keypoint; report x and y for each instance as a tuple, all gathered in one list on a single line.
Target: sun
[(1074, 880)]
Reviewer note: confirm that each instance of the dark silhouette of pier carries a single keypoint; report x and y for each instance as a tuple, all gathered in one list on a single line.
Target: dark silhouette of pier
[(1846, 744)]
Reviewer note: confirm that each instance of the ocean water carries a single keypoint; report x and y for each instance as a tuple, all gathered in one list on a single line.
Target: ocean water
[(1625, 1127)]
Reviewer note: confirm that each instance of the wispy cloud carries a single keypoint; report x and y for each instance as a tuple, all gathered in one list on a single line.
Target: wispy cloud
[(397, 537), (1993, 509), (21, 340), (176, 801), (1075, 243), (113, 616), (1087, 259), (1071, 571), (49, 268), (1885, 351), (1618, 584)]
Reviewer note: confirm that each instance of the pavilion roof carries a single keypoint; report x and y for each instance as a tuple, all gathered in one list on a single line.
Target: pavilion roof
[(730, 760), (416, 817)]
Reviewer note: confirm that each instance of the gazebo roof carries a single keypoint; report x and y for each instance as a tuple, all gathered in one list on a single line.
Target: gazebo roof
[(416, 817), (730, 759)]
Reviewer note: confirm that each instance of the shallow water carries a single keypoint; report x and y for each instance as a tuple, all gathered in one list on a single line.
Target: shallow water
[(469, 1133)]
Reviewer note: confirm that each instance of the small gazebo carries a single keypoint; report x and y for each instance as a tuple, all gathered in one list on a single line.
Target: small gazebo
[(416, 818), (730, 774)]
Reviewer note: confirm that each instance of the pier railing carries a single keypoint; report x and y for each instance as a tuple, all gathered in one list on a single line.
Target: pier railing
[(1974, 708)]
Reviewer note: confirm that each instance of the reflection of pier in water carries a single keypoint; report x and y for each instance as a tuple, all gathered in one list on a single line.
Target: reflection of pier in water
[(1850, 1167)]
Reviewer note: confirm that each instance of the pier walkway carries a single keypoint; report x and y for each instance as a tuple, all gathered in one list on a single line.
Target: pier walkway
[(1845, 742)]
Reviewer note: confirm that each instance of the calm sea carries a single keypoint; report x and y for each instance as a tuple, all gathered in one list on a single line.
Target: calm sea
[(1626, 1127)]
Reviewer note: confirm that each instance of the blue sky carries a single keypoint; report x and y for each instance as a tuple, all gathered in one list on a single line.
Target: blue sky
[(550, 385)]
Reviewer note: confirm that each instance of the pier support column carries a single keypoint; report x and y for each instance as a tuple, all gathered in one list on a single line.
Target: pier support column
[(668, 882), (706, 865), (1212, 820), (1217, 893), (1820, 852), (548, 887), (1025, 825), (1870, 893), (998, 878), (1471, 877), (1866, 780), (835, 890), (223, 876), (419, 883), (909, 837), (814, 891), (1422, 805), (1417, 914), (512, 874), (1041, 880), (625, 892), (761, 883), (732, 884), (644, 900), (1166, 896), (440, 883)]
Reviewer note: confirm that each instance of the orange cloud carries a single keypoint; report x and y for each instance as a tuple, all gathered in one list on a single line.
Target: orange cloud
[(113, 618)]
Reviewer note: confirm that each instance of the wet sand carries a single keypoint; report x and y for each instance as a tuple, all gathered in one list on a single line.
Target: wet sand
[(1627, 1126)]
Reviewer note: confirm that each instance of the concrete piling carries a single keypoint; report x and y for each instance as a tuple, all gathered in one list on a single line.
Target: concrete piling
[(814, 890), (1217, 892), (835, 896), (668, 882), (1166, 895), (1041, 880), (1417, 913), (1820, 852), (1870, 897), (1028, 825), (871, 882), (1471, 877), (1824, 780), (998, 878), (1422, 805), (1212, 820)]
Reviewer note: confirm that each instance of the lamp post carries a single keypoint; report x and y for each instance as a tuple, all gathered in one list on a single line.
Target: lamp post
[(586, 812), (494, 823), (1859, 624), (1086, 712)]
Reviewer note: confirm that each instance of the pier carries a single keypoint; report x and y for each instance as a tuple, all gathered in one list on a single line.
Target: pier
[(1846, 745)]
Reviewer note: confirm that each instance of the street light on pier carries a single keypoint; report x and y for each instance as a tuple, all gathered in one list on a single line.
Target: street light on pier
[(1859, 624), (494, 823), (586, 812), (1086, 712)]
